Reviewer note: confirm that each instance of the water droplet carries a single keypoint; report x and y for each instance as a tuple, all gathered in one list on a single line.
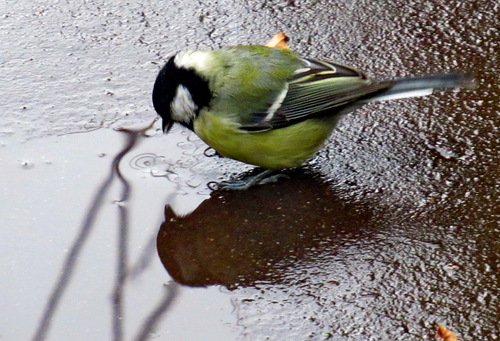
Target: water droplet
[(159, 160), (187, 163), (193, 183), (159, 172), (172, 177), (185, 145), (27, 164), (445, 152)]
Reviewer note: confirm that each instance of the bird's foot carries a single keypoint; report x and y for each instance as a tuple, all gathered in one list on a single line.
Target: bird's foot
[(262, 178)]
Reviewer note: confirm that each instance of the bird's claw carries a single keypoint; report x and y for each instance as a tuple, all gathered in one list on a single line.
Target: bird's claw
[(262, 178)]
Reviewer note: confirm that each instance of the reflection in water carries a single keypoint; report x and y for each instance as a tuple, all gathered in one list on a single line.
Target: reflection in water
[(75, 250), (240, 238), (154, 317), (121, 274)]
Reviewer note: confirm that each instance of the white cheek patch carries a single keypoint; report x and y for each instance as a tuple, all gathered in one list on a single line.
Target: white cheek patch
[(182, 107)]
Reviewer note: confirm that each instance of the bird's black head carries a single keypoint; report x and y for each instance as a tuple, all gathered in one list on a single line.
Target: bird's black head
[(179, 94)]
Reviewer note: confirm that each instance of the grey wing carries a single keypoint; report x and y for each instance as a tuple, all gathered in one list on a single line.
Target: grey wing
[(319, 88)]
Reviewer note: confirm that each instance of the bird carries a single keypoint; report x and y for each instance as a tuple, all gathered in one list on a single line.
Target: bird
[(269, 106)]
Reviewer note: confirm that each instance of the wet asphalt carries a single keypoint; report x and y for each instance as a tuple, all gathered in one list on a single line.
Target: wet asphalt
[(387, 231)]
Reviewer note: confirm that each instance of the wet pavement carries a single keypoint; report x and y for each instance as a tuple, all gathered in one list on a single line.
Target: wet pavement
[(389, 230)]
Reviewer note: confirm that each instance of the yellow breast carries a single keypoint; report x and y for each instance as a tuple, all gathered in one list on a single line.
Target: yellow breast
[(273, 149)]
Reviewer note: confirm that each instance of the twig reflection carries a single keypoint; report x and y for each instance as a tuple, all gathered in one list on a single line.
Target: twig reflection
[(122, 255), (77, 246), (155, 316), (122, 271)]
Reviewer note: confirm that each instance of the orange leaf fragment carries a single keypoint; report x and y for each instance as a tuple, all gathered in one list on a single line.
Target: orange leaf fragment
[(279, 40), (445, 334)]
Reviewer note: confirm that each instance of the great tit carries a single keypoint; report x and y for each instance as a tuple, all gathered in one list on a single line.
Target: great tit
[(270, 107)]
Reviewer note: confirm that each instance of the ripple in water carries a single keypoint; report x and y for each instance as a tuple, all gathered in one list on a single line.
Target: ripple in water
[(147, 161), (181, 172)]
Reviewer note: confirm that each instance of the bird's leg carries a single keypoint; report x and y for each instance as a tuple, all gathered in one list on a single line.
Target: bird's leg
[(261, 178)]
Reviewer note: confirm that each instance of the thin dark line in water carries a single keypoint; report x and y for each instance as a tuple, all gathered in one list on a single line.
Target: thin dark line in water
[(77, 246), (147, 254), (155, 316), (144, 259), (122, 254), (123, 232)]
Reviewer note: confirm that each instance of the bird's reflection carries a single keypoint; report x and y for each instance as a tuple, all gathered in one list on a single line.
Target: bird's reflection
[(240, 238)]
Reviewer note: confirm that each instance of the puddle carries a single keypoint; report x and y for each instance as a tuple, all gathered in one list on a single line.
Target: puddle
[(389, 230), (69, 193)]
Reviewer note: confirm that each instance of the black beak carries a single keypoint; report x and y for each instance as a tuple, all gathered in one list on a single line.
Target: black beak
[(166, 125)]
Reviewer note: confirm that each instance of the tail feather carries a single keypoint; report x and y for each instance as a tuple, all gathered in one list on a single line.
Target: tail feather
[(422, 86)]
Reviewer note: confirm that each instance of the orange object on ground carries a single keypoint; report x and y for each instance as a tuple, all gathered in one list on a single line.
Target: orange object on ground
[(445, 334), (279, 40)]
